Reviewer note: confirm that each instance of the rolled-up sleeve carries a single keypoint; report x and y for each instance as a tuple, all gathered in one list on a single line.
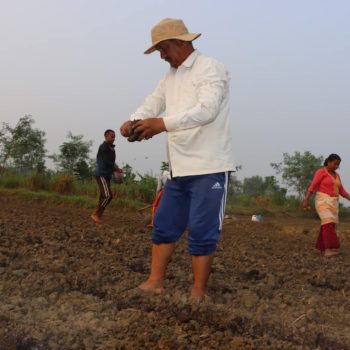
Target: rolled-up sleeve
[(212, 85)]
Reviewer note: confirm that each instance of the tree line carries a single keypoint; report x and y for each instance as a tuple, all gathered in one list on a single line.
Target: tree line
[(22, 149)]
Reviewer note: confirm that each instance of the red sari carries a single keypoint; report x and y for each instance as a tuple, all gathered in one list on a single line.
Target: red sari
[(155, 205), (327, 206), (327, 238)]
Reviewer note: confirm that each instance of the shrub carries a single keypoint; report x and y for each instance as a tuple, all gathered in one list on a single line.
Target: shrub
[(63, 184), (86, 187), (142, 191), (11, 180), (38, 181)]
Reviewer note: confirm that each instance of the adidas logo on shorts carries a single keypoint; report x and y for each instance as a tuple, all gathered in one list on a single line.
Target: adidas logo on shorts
[(216, 186)]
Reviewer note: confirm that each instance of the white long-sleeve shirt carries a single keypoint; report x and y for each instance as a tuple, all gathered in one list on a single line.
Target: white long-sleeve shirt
[(195, 101)]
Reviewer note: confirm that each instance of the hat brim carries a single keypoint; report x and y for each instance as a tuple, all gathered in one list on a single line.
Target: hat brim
[(184, 37)]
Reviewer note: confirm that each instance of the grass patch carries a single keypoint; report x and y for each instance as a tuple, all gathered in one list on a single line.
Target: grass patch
[(73, 200), (270, 210)]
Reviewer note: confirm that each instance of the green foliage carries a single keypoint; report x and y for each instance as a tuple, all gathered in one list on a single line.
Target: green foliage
[(253, 185), (39, 181), (164, 166), (143, 190), (297, 170), (50, 197), (10, 179), (344, 211), (129, 175), (147, 188), (22, 148), (63, 184), (86, 187), (35, 181), (258, 187), (279, 197), (256, 194), (235, 185), (73, 156)]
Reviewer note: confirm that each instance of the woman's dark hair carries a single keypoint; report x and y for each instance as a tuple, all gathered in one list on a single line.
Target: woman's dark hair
[(108, 131), (332, 157)]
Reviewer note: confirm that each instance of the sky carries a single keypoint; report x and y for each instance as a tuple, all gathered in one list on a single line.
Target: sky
[(78, 66)]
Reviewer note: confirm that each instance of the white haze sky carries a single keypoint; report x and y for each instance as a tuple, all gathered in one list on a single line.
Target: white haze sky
[(78, 65)]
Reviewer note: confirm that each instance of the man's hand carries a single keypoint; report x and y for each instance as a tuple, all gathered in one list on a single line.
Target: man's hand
[(146, 128), (126, 129)]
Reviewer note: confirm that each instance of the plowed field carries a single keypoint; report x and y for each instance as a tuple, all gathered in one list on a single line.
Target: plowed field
[(66, 283)]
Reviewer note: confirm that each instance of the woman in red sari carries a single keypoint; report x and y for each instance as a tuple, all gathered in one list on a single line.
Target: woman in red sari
[(328, 185)]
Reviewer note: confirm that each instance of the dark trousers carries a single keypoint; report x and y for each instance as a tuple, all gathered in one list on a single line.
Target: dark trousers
[(104, 185)]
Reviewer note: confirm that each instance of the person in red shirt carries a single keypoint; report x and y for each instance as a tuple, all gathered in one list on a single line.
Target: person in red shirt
[(162, 179), (328, 187)]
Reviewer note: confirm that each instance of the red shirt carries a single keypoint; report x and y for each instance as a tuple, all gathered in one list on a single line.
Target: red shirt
[(324, 182)]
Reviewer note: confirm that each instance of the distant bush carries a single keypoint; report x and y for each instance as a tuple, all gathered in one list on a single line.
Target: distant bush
[(142, 191), (63, 184), (136, 193), (344, 212), (11, 180), (39, 182), (86, 187)]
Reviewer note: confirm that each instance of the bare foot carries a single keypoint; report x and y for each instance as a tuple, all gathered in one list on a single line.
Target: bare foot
[(152, 287), (329, 253), (95, 218), (197, 295)]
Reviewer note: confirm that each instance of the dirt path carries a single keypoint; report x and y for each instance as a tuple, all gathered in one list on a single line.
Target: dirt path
[(66, 283)]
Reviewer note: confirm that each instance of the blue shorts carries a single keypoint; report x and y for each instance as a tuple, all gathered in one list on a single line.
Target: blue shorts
[(194, 202)]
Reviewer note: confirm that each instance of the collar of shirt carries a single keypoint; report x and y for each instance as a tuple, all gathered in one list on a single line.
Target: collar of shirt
[(110, 146), (188, 62)]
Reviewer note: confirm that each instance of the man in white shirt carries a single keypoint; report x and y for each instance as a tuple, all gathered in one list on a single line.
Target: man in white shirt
[(194, 97)]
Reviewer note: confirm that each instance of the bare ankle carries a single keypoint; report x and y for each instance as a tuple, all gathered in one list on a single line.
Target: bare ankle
[(96, 218), (152, 285), (197, 293)]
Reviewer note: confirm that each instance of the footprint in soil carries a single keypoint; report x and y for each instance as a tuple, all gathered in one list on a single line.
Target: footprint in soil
[(252, 275), (137, 266), (323, 283), (323, 343), (20, 342)]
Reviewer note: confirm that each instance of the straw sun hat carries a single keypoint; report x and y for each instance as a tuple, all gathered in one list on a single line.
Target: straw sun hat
[(170, 28)]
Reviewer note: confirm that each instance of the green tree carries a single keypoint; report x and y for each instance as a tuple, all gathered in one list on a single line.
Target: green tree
[(273, 190), (164, 166), (297, 170), (267, 187), (253, 186), (73, 156), (129, 175), (235, 185), (22, 147), (271, 185)]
